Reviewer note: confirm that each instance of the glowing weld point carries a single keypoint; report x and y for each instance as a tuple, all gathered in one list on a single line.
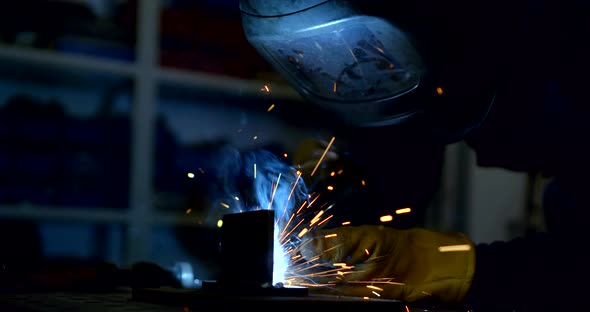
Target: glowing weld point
[(403, 210), (224, 205), (190, 175), (454, 248), (386, 218), (270, 107)]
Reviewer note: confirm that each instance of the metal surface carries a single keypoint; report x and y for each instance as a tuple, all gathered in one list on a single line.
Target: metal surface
[(176, 301), (211, 301), (74, 302)]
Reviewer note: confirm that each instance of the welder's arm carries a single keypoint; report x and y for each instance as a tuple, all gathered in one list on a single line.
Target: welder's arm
[(408, 265)]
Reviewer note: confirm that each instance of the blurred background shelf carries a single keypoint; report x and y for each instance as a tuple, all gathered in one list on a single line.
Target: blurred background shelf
[(94, 215), (78, 214), (65, 61), (84, 142), (191, 80), (75, 69)]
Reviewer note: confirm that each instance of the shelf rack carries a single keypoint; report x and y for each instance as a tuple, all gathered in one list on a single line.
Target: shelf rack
[(147, 76)]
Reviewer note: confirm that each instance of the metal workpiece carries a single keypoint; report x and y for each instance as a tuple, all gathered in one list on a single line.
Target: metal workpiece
[(246, 249)]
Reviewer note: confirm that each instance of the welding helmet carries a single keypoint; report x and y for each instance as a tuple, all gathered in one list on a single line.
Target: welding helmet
[(376, 65)]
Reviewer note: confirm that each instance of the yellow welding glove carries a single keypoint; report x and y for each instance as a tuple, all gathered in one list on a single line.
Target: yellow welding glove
[(408, 265)]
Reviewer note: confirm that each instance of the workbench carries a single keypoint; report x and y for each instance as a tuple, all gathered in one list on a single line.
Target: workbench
[(123, 300)]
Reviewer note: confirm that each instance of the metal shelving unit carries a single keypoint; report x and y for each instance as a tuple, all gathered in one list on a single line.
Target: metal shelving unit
[(147, 76)]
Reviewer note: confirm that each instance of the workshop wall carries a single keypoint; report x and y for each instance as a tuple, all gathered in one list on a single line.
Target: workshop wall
[(69, 102)]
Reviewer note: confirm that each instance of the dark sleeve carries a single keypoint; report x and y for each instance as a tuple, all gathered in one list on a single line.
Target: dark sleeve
[(539, 123), (536, 273)]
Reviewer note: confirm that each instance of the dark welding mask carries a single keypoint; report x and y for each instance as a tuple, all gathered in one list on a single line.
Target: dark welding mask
[(361, 66)]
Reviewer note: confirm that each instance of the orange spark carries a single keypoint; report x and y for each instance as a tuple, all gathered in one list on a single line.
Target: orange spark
[(330, 188), (374, 287), (300, 208), (313, 200), (294, 184), (317, 217), (386, 218), (323, 155), (330, 235), (188, 211), (439, 91), (303, 232), (367, 251), (403, 210), (325, 220), (295, 227), (346, 223), (270, 107), (451, 248)]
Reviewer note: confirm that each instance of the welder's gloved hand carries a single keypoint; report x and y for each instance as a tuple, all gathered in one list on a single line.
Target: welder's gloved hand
[(408, 265)]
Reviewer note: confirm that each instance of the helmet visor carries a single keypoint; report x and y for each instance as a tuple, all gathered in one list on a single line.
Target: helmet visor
[(352, 65)]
